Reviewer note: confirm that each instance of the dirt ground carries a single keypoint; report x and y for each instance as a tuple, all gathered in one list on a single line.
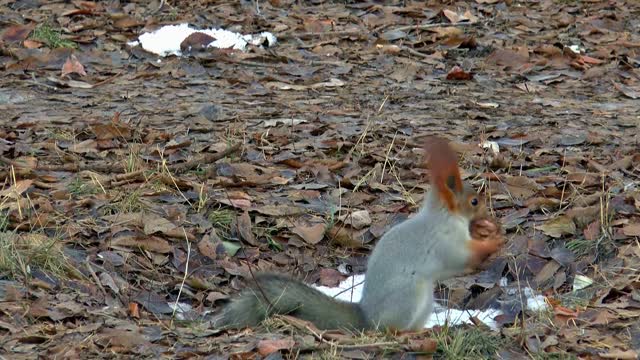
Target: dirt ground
[(131, 183)]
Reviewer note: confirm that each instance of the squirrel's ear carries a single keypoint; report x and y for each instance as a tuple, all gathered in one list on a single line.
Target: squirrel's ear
[(443, 167), (452, 183)]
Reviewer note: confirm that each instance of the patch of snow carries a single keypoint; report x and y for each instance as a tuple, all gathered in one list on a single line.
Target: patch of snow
[(351, 290), (348, 290), (166, 40)]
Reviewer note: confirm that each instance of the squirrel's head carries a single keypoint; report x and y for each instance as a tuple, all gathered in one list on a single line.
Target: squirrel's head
[(454, 195)]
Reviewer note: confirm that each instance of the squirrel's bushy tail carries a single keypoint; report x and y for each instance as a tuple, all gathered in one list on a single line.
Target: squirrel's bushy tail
[(287, 296)]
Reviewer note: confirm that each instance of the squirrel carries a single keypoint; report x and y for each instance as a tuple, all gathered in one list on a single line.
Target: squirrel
[(450, 232)]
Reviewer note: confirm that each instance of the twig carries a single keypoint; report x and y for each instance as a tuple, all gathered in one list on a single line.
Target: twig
[(431, 26), (184, 278), (320, 337), (94, 276), (324, 33), (109, 79), (414, 52), (208, 158)]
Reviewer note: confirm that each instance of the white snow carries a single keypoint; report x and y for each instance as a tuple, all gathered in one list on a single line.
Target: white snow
[(351, 290), (166, 40)]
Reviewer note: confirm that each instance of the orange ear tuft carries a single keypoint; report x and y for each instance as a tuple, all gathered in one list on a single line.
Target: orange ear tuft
[(443, 167)]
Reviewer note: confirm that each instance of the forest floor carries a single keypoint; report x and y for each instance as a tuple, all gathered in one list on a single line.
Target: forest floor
[(131, 183)]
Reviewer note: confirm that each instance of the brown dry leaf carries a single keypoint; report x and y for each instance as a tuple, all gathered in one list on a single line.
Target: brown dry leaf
[(625, 163), (245, 229), (627, 91), (127, 22), (134, 310), (584, 179), (196, 42), (208, 245), (30, 44), (559, 226), (536, 203), (448, 32), (592, 231), (266, 347), (509, 58), (153, 302), (16, 190), (151, 243), (66, 82), (25, 164), (347, 237), (455, 18), (17, 33), (621, 355), (584, 215), (214, 296), (547, 272), (521, 187), (427, 346), (42, 309), (330, 277), (107, 281), (631, 229), (73, 65), (456, 73), (116, 129), (279, 210), (311, 232), (84, 147), (357, 219), (120, 340), (156, 224)]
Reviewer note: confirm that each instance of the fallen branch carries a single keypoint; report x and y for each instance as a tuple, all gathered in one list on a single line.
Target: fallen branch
[(430, 26), (206, 159), (376, 30)]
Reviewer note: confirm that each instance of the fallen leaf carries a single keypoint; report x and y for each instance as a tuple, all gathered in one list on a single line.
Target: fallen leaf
[(73, 65), (15, 190), (631, 229), (627, 91), (621, 355), (456, 73), (559, 226), (521, 187), (330, 277), (266, 347), (156, 224), (197, 41), (17, 33), (357, 219), (245, 229), (120, 340), (151, 243), (311, 232), (426, 346)]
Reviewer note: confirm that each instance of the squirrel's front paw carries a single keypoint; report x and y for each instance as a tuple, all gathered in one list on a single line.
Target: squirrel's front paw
[(485, 229), (486, 239)]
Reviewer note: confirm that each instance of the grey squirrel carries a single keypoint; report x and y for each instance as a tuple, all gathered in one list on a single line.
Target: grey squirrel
[(437, 243)]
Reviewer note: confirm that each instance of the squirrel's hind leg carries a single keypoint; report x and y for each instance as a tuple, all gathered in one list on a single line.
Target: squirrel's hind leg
[(405, 305)]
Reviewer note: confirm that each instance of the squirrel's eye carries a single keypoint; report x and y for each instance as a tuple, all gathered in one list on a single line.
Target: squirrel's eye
[(474, 201)]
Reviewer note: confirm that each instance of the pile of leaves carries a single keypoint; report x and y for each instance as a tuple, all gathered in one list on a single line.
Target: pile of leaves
[(140, 193)]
